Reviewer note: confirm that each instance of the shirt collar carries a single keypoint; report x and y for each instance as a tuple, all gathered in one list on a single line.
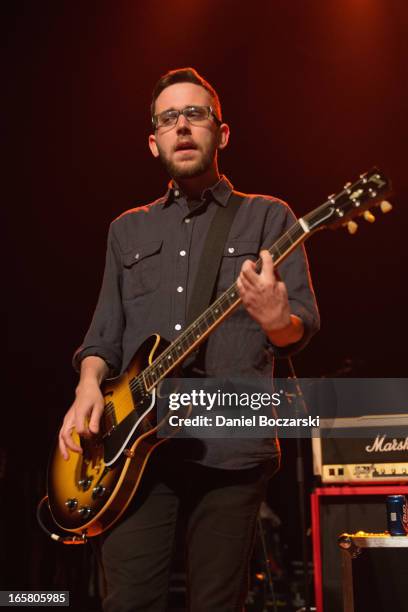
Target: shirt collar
[(220, 192)]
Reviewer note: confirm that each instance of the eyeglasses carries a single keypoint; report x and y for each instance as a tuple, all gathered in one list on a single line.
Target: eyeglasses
[(194, 115)]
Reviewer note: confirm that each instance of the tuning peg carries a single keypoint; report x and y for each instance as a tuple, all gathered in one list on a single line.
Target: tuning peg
[(385, 206), (368, 216), (352, 227)]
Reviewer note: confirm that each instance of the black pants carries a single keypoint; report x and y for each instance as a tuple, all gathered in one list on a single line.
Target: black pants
[(221, 508)]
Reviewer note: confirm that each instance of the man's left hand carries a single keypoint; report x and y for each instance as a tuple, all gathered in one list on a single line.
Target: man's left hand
[(264, 295)]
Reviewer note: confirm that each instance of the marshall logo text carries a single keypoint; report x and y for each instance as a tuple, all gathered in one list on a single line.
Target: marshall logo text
[(381, 446)]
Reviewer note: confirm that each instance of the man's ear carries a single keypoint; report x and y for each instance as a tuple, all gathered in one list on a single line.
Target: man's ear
[(223, 136), (153, 145)]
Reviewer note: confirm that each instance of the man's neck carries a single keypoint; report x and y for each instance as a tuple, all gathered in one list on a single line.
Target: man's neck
[(194, 187)]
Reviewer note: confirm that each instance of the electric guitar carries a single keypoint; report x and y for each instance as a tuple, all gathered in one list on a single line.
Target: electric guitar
[(90, 491)]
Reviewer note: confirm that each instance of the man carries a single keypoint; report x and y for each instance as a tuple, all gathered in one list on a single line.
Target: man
[(152, 260)]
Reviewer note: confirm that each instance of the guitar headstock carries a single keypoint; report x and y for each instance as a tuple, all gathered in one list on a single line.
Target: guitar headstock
[(354, 200)]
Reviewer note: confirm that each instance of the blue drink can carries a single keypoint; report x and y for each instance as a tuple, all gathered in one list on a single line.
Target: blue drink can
[(397, 515)]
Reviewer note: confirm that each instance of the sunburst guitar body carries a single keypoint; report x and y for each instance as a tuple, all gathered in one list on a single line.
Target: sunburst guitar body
[(90, 491)]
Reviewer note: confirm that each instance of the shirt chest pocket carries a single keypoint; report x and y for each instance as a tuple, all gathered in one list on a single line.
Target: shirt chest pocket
[(142, 269), (235, 253)]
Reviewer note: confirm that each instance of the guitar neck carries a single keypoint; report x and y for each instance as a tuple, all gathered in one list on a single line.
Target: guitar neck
[(191, 338), (352, 201)]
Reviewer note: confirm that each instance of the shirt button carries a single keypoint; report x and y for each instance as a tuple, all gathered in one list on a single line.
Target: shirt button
[(231, 250), (180, 289), (187, 220), (137, 255), (182, 253), (176, 193), (177, 326)]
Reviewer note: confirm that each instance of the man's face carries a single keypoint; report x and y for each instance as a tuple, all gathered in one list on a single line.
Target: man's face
[(187, 150)]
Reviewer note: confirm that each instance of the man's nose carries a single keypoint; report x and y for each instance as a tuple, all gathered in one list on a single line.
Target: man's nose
[(183, 125)]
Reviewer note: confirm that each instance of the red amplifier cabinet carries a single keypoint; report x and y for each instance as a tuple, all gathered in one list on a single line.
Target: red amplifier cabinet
[(336, 510)]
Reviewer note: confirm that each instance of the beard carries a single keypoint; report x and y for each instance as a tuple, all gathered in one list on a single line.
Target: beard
[(183, 170)]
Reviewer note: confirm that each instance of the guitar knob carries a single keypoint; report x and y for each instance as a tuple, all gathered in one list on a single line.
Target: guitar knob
[(85, 512), (98, 491), (352, 227), (84, 483), (368, 216), (71, 503), (385, 206)]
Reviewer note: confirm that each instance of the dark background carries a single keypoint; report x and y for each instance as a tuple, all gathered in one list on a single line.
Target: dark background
[(315, 93)]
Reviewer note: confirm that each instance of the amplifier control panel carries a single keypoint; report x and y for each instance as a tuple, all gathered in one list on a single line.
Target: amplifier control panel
[(378, 472)]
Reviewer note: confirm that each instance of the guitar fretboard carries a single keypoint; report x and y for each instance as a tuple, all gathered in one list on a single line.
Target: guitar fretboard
[(200, 329)]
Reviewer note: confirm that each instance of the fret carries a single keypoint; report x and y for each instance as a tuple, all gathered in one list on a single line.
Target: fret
[(275, 252), (316, 214), (213, 314), (283, 243), (229, 297), (216, 309), (182, 343), (233, 293), (178, 349), (202, 326), (286, 241), (169, 359), (281, 247), (296, 232)]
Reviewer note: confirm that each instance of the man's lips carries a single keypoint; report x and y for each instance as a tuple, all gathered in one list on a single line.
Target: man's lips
[(185, 146)]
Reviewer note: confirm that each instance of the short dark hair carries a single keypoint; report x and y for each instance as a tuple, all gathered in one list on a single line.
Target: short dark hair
[(185, 75)]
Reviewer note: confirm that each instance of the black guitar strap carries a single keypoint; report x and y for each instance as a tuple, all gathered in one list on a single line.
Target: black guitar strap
[(210, 260)]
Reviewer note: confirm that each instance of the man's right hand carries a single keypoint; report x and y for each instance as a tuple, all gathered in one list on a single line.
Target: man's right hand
[(85, 413)]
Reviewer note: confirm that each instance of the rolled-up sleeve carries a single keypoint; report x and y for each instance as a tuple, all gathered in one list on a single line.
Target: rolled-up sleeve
[(104, 336), (294, 271)]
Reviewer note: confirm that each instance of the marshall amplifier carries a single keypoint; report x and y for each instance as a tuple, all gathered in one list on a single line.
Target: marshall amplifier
[(363, 450)]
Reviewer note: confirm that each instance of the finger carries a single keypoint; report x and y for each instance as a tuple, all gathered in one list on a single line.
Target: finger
[(243, 284), (242, 290), (69, 441), (84, 431), (66, 442), (267, 265), (248, 271), (81, 425), (282, 290), (95, 418), (63, 448)]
